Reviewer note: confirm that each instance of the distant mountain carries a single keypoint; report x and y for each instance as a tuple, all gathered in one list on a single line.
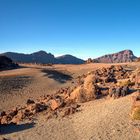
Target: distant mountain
[(69, 59), (37, 57), (120, 57), (42, 57)]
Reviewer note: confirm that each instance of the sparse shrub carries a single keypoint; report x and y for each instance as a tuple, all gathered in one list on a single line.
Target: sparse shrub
[(125, 82), (136, 113)]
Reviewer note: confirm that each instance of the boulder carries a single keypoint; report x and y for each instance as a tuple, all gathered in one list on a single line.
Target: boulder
[(6, 63), (3, 113), (4, 120), (85, 92), (29, 101), (55, 104), (67, 111), (19, 117), (35, 108)]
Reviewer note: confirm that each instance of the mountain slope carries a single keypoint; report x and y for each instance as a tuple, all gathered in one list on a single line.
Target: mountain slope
[(69, 59), (120, 57), (43, 57), (37, 57)]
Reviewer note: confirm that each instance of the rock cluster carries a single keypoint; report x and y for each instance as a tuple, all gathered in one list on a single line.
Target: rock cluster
[(53, 105), (89, 61), (107, 75), (117, 92), (111, 74), (101, 81)]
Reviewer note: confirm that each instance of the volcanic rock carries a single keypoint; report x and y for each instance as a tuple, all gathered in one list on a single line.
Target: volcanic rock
[(6, 63), (120, 57)]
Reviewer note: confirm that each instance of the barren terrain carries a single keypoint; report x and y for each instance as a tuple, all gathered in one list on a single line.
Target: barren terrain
[(102, 119)]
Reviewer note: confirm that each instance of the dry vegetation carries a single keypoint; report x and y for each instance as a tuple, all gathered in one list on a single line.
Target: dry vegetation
[(135, 112)]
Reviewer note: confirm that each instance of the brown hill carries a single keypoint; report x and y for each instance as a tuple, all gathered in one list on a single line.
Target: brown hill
[(120, 57), (43, 58)]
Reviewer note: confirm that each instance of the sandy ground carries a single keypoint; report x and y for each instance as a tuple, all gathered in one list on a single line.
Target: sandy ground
[(16, 87), (37, 81), (103, 119)]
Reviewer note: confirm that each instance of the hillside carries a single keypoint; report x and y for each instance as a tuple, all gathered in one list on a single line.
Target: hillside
[(69, 59), (6, 63), (37, 57), (120, 57), (43, 57)]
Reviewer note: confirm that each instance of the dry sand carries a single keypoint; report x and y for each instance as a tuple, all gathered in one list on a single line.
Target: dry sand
[(103, 119)]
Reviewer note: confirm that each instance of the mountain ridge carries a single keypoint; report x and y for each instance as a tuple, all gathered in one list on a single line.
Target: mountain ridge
[(119, 57), (69, 59), (43, 57)]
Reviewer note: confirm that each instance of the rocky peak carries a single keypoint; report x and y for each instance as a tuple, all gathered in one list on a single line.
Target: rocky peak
[(120, 57)]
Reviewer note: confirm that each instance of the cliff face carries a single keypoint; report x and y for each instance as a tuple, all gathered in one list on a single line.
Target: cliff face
[(120, 57)]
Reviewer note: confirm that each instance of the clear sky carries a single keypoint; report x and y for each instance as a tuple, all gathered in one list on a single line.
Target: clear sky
[(84, 28)]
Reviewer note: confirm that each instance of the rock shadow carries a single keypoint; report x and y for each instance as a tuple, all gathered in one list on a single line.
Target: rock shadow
[(57, 75), (11, 128), (13, 83)]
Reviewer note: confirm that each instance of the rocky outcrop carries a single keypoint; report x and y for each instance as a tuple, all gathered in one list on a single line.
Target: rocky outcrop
[(52, 105), (6, 63), (120, 57), (89, 61)]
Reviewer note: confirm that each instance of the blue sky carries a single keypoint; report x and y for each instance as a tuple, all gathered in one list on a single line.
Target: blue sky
[(84, 28)]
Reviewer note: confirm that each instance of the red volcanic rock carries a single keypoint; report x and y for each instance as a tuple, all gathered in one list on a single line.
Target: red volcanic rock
[(54, 104), (29, 101), (120, 57), (4, 120), (3, 113)]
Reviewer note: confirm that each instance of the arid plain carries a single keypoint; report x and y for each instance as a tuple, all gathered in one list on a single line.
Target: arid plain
[(99, 119)]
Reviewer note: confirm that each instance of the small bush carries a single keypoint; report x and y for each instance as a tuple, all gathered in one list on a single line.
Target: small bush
[(136, 113), (125, 83)]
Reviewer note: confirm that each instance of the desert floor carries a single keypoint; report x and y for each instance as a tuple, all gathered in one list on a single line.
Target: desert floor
[(102, 119)]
